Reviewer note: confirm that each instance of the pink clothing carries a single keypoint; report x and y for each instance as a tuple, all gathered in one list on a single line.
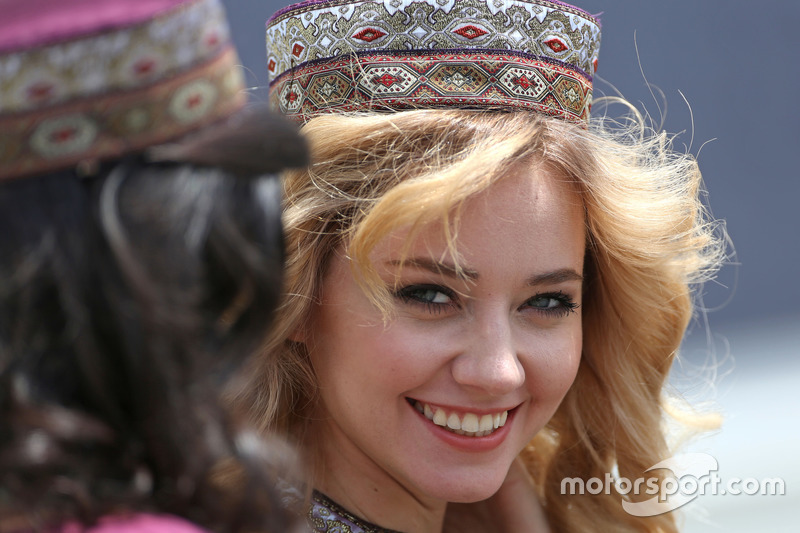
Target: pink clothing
[(31, 23), (136, 523)]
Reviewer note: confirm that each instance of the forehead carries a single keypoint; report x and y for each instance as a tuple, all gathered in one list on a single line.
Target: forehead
[(529, 196), (532, 214)]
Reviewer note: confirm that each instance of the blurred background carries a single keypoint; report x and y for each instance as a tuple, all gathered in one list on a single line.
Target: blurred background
[(723, 76)]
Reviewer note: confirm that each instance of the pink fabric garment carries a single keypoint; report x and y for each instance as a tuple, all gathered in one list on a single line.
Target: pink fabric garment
[(136, 523), (31, 23)]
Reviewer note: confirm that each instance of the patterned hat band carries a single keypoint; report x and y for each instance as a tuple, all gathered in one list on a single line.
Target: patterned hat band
[(339, 56), (101, 95)]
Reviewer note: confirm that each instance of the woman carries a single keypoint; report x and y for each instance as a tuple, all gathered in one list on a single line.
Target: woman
[(480, 302), (134, 278)]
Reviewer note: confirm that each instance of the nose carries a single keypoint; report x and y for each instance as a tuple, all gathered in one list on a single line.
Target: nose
[(489, 362)]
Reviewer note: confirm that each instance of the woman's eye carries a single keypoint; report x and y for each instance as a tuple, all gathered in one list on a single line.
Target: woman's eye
[(432, 296), (543, 302), (555, 304)]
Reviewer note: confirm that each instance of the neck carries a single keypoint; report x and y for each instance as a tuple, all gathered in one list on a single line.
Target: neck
[(345, 475)]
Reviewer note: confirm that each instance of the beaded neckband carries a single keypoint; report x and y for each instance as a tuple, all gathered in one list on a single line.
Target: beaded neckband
[(352, 55), (327, 515)]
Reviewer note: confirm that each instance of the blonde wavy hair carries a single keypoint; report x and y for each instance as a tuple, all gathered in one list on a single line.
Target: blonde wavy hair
[(649, 240)]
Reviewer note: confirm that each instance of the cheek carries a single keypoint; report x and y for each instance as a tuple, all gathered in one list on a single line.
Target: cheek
[(553, 365), (361, 352), (407, 355)]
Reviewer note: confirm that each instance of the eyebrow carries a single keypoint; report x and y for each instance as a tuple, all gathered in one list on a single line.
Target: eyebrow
[(437, 267), (561, 275)]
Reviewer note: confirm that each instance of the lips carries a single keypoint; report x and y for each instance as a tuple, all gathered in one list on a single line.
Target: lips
[(463, 423)]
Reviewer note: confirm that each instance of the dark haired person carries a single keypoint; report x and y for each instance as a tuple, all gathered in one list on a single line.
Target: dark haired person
[(140, 263)]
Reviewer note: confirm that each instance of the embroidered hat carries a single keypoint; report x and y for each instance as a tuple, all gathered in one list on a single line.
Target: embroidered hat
[(348, 55), (96, 79)]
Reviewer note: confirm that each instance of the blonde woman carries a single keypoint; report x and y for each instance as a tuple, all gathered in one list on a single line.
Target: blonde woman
[(480, 302)]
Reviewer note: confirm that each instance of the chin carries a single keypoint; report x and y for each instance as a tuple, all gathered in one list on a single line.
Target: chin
[(471, 490), (472, 496)]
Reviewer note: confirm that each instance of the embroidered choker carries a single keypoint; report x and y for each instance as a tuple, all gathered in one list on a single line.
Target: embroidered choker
[(351, 55), (327, 515), (96, 79)]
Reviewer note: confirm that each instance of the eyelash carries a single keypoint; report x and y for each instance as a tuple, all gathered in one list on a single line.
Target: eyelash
[(566, 305), (406, 294)]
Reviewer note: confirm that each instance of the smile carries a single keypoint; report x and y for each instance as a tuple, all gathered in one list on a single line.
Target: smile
[(468, 424)]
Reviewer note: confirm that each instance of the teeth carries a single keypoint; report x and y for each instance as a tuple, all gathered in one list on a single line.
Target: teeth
[(471, 424), (440, 419), (453, 422)]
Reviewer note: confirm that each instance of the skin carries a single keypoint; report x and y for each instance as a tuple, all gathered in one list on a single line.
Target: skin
[(502, 512), (506, 337)]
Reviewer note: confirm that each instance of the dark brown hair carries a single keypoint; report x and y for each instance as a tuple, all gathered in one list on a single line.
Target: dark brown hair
[(127, 299)]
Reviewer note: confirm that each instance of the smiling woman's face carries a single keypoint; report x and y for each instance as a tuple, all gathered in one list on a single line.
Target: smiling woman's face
[(437, 403)]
